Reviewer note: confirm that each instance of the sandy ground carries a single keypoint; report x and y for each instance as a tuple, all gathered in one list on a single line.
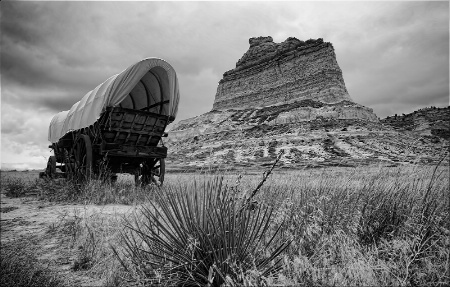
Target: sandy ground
[(41, 225), (28, 216)]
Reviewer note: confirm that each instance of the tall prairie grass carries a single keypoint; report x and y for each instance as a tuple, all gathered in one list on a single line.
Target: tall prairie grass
[(19, 267), (365, 226)]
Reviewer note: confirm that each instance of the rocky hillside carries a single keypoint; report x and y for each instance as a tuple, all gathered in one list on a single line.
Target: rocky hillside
[(431, 121), (318, 142), (292, 97)]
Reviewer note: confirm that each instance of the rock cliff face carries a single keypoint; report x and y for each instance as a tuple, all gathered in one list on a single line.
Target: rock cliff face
[(270, 73)]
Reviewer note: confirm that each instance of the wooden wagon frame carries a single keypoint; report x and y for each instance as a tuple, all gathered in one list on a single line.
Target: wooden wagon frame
[(121, 139)]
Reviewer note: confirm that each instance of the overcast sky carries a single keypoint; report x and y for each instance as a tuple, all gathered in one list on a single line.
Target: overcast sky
[(394, 55)]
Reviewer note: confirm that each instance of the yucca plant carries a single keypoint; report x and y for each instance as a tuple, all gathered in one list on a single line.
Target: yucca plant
[(201, 235)]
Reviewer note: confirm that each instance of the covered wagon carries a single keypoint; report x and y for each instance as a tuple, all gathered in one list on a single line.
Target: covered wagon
[(117, 127)]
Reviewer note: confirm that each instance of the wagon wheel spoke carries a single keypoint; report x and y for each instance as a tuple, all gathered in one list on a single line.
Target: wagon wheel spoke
[(51, 167), (152, 172), (82, 159), (68, 163)]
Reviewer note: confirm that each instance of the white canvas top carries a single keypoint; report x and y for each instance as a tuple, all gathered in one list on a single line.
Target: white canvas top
[(150, 85)]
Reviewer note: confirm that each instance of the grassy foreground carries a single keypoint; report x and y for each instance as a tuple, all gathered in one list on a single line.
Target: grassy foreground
[(364, 226)]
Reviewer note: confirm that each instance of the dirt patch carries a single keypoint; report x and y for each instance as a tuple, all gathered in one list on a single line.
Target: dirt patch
[(51, 231)]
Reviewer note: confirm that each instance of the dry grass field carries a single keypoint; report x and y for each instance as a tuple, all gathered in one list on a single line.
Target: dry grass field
[(365, 226)]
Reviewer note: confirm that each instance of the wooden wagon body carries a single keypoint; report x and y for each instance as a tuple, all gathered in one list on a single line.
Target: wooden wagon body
[(127, 134)]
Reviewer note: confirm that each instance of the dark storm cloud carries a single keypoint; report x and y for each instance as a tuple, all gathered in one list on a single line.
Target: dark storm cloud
[(42, 62), (58, 104)]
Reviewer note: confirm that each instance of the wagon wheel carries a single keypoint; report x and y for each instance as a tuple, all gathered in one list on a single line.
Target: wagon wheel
[(50, 171), (154, 174), (68, 164), (82, 153)]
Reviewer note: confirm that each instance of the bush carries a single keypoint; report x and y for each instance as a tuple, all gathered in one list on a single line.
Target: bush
[(200, 235), (14, 187)]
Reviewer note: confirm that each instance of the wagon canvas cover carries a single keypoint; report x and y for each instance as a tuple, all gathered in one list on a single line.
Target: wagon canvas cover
[(149, 85)]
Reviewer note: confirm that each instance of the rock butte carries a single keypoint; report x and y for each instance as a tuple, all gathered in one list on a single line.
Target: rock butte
[(271, 73)]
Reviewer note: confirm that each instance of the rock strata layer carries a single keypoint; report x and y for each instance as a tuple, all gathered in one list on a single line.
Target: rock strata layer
[(278, 73)]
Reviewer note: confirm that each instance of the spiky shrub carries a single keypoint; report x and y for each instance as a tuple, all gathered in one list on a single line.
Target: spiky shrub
[(201, 235)]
